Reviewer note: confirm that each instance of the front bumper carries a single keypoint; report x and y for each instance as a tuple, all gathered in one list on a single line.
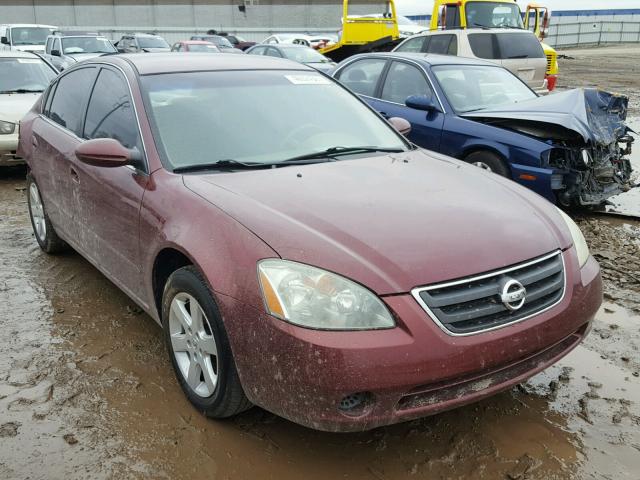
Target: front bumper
[(407, 372), (8, 146)]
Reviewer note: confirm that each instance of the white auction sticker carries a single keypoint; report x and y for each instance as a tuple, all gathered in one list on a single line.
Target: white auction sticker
[(308, 79)]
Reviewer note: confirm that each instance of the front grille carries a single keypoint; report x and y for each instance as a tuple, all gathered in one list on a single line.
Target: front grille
[(550, 61), (476, 304)]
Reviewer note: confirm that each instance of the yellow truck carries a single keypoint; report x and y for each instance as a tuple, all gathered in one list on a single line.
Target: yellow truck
[(365, 33), (451, 14)]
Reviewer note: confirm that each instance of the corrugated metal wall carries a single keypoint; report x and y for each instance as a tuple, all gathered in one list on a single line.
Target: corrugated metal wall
[(176, 19)]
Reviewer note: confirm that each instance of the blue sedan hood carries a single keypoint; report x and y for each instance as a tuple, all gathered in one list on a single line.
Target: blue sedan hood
[(597, 116)]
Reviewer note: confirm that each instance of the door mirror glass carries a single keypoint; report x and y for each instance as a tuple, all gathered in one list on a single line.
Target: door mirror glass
[(104, 152), (4, 40), (55, 53), (401, 125), (421, 102)]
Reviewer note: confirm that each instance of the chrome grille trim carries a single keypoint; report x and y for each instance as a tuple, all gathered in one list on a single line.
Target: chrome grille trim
[(496, 273)]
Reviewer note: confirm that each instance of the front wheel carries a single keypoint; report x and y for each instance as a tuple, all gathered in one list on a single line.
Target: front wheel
[(488, 161), (198, 346), (43, 230)]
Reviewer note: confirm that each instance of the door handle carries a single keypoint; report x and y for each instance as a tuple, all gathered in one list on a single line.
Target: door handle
[(74, 175)]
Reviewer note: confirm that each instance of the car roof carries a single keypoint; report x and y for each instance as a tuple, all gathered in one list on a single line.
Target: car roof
[(156, 63), (16, 54), (432, 58), (467, 31), (71, 33), (196, 42)]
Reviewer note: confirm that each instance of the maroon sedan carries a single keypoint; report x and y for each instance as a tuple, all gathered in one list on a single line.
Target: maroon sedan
[(314, 262), (199, 46)]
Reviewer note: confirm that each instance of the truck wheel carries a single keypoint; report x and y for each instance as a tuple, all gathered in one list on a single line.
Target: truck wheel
[(488, 161), (199, 347), (43, 230)]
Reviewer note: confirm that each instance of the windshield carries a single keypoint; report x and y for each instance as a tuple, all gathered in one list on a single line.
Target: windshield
[(203, 48), (152, 42), (304, 55), (475, 87), (30, 35), (73, 45), (405, 21), (219, 41), (493, 15), (255, 116), (30, 74)]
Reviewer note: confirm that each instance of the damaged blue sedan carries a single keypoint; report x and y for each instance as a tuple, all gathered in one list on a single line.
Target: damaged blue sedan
[(571, 147)]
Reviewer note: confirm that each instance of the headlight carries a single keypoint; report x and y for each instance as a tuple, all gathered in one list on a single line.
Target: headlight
[(7, 128), (314, 298), (578, 238)]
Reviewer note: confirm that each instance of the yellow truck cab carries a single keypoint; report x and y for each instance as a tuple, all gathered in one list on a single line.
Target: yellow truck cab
[(467, 14), (365, 33)]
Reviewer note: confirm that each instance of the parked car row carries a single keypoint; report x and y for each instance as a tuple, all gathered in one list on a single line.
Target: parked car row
[(314, 262)]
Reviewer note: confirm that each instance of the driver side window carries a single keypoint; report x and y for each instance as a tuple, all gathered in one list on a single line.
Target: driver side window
[(404, 80)]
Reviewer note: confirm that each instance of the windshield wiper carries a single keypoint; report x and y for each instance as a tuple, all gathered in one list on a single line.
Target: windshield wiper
[(518, 56), (22, 90), (231, 164), (337, 151)]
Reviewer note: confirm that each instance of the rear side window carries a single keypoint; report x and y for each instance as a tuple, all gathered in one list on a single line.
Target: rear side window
[(70, 99), (443, 45), (402, 81), (362, 75), (416, 44), (258, 51), (503, 46), (110, 113)]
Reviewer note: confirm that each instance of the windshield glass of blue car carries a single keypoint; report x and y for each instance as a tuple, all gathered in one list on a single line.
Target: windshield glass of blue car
[(24, 75), (256, 118), (73, 45), (476, 87)]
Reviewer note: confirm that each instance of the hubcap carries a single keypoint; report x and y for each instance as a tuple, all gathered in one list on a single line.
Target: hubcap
[(193, 344), (37, 212), (483, 166)]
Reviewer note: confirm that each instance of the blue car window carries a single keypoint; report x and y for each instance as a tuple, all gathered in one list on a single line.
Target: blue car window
[(362, 75), (404, 80)]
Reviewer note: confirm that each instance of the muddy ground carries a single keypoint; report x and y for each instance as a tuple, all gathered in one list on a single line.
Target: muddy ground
[(87, 391)]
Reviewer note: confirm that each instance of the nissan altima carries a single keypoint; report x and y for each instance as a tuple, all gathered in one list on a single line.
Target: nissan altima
[(314, 263)]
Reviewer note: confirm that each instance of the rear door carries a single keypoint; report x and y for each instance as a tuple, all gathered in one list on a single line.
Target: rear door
[(110, 198), (56, 134)]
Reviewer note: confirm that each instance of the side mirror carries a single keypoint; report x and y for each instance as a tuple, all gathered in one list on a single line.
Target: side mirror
[(401, 125), (421, 102), (4, 40), (104, 152), (55, 53)]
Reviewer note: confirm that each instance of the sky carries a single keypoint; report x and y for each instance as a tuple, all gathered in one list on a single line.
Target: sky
[(422, 7)]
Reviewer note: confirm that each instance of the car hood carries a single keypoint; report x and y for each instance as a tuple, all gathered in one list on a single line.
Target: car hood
[(14, 106), (596, 116), (29, 48), (78, 57), (390, 222)]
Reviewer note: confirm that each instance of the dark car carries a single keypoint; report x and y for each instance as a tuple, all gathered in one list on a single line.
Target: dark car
[(236, 41), (314, 262), (66, 48), (297, 53), (570, 147), (142, 43), (198, 46), (219, 41)]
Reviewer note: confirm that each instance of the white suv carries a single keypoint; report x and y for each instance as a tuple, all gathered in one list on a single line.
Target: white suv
[(517, 50)]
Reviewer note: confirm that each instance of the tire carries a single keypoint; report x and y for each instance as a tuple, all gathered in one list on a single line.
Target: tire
[(190, 347), (43, 230), (489, 161)]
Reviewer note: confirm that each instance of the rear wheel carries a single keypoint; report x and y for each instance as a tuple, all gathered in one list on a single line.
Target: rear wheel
[(199, 347), (43, 230), (488, 161)]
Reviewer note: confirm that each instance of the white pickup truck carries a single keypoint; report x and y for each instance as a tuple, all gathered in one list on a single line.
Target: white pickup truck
[(24, 36)]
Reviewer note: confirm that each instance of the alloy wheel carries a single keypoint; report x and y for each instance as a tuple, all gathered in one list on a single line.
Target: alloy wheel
[(36, 209), (483, 166), (193, 344)]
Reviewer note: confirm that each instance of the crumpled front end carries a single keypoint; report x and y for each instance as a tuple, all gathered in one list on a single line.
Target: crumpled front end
[(590, 142)]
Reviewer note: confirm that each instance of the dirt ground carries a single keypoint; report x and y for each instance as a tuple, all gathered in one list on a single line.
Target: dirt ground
[(87, 391)]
